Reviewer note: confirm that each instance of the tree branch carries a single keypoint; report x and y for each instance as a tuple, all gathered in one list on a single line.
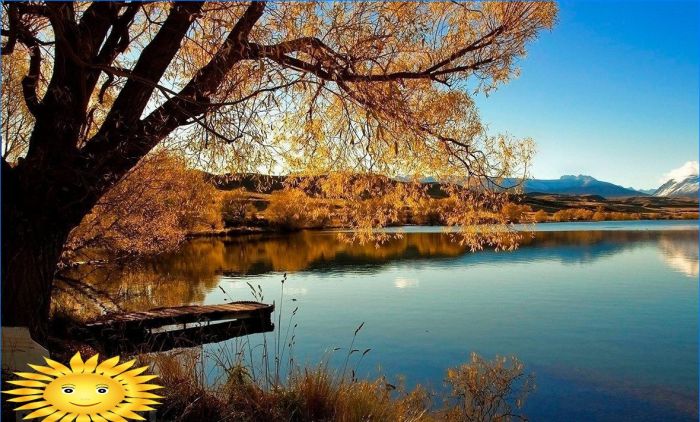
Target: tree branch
[(193, 99), (11, 33), (115, 44), (134, 138), (118, 39), (151, 66), (333, 66), (29, 82), (19, 32), (94, 24)]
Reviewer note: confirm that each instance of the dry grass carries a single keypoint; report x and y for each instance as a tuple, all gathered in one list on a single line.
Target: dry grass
[(477, 391)]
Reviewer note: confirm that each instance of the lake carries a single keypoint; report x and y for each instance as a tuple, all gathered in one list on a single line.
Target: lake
[(604, 314)]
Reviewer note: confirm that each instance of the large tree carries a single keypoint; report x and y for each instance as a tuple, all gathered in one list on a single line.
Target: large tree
[(379, 86)]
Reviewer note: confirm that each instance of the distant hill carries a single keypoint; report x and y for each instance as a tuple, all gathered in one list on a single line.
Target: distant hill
[(576, 185), (566, 185), (687, 187)]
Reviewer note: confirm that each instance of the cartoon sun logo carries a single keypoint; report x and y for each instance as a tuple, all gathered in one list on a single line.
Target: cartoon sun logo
[(87, 391)]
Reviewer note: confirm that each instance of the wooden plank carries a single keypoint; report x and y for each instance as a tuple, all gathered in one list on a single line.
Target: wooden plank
[(183, 338), (182, 315)]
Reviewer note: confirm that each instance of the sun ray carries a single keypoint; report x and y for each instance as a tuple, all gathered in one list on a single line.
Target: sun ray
[(121, 411), (143, 387), (33, 405), (47, 370), (112, 417), (85, 391), (119, 368), (23, 391), (22, 399), (46, 411), (132, 373), (144, 395), (33, 376), (54, 416), (135, 379), (76, 364), (91, 364), (107, 364), (137, 407), (59, 366), (27, 383), (137, 400)]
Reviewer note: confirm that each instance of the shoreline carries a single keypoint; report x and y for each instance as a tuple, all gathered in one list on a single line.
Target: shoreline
[(248, 230)]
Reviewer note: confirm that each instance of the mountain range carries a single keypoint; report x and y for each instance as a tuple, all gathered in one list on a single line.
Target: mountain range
[(588, 185), (570, 185), (576, 185)]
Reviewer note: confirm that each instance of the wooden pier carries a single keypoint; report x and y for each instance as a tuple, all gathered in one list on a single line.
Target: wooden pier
[(163, 329)]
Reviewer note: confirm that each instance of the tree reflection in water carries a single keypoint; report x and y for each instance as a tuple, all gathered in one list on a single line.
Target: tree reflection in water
[(188, 274)]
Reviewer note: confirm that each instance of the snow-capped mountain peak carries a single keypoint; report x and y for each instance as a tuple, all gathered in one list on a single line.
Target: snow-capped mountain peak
[(683, 187)]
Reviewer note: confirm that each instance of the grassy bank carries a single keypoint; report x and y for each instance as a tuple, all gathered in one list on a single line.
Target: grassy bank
[(479, 390)]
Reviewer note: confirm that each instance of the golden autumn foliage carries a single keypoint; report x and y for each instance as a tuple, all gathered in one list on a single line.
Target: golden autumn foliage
[(366, 203), (301, 88), (16, 120), (516, 213), (150, 210), (338, 91), (582, 214), (360, 87), (540, 216), (293, 209), (236, 208), (320, 86)]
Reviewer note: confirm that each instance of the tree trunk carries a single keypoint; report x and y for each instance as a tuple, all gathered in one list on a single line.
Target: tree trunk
[(33, 235)]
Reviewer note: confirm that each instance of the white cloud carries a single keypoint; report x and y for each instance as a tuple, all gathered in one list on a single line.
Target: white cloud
[(688, 169)]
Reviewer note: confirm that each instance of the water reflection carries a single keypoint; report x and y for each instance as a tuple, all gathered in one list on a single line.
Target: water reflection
[(571, 304), (189, 274), (681, 253), (405, 283)]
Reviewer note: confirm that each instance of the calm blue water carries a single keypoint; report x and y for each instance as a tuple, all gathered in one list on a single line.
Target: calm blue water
[(604, 314)]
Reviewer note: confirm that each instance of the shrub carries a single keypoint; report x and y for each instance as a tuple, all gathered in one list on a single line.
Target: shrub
[(236, 208), (292, 209), (487, 390), (540, 216), (149, 211), (515, 213), (562, 215)]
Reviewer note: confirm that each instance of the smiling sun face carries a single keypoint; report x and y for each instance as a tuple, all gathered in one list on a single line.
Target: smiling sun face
[(85, 392)]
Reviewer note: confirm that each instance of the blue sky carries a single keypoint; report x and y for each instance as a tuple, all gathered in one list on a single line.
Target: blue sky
[(611, 91)]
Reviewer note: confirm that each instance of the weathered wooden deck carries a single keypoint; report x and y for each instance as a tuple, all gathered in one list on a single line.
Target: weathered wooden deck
[(160, 317), (162, 329)]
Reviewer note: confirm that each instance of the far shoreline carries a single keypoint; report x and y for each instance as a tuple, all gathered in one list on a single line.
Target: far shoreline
[(524, 227)]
